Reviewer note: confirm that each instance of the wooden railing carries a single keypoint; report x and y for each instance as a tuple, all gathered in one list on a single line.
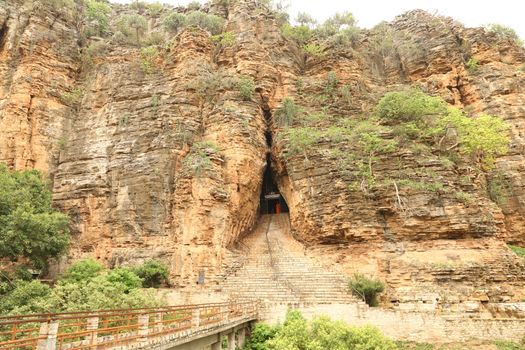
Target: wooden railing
[(108, 328)]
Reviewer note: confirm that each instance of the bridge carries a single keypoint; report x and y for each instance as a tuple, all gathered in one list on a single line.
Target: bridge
[(188, 327)]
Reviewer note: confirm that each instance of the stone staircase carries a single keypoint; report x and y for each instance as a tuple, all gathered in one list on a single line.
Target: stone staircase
[(276, 270)]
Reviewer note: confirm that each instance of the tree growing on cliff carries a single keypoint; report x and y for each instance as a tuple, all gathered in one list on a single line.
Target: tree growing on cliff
[(29, 226), (174, 22), (366, 288), (97, 17)]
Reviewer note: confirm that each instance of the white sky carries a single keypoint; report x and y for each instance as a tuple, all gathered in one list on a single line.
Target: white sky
[(368, 13)]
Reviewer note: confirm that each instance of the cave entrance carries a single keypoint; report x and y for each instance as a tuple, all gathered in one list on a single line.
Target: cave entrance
[(272, 202)]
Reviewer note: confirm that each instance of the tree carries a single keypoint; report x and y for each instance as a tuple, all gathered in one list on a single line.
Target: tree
[(305, 19), (83, 270), (504, 32), (153, 273), (97, 16), (138, 23), (29, 226), (174, 22), (211, 23)]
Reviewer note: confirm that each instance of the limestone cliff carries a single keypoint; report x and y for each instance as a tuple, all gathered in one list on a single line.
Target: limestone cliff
[(116, 140)]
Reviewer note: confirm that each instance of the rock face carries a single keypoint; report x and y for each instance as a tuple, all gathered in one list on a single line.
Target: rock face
[(124, 146)]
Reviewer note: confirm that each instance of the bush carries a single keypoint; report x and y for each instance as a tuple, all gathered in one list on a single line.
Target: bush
[(83, 270), (260, 335), (174, 22), (21, 299), (153, 273), (147, 59), (484, 137), (323, 333), (301, 139), (224, 39), (504, 32), (313, 50), (72, 98), (472, 65), (155, 8), (211, 23), (285, 115), (300, 34), (518, 250), (29, 226), (410, 105), (97, 17), (198, 161), (365, 288), (126, 277), (246, 87), (497, 188), (135, 22)]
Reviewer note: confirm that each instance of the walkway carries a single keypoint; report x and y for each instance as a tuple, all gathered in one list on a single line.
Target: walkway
[(192, 327), (276, 270)]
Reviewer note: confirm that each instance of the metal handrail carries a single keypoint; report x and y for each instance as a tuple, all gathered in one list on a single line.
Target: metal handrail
[(100, 328)]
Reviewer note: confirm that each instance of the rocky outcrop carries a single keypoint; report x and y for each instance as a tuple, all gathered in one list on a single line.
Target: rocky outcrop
[(168, 162)]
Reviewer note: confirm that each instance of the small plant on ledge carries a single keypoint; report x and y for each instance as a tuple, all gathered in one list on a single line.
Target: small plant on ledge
[(366, 288)]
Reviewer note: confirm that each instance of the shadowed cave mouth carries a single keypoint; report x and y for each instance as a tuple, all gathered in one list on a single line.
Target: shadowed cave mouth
[(3, 36), (272, 202)]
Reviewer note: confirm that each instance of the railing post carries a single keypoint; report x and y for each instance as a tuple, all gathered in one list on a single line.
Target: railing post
[(92, 327), (49, 332), (143, 325), (159, 326), (241, 337), (196, 317), (231, 341)]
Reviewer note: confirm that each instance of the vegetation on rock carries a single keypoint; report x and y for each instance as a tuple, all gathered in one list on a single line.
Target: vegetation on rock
[(366, 288), (29, 226)]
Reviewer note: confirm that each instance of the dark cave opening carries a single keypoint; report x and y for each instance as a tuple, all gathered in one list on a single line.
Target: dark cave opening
[(272, 202), (3, 36)]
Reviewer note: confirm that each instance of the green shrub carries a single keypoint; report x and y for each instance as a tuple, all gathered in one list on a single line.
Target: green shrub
[(301, 139), (246, 87), (224, 39), (331, 82), (29, 226), (174, 22), (300, 34), (135, 22), (409, 105), (483, 137), (194, 6), (365, 288), (509, 345), (127, 277), (260, 335), (147, 59), (72, 98), (323, 333), (497, 188), (198, 161), (285, 115), (83, 270), (434, 186), (313, 50), (97, 17), (155, 8), (518, 250), (21, 299), (211, 23), (472, 65), (504, 32), (153, 273)]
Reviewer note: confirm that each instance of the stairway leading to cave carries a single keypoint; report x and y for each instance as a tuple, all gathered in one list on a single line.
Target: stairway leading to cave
[(276, 270)]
